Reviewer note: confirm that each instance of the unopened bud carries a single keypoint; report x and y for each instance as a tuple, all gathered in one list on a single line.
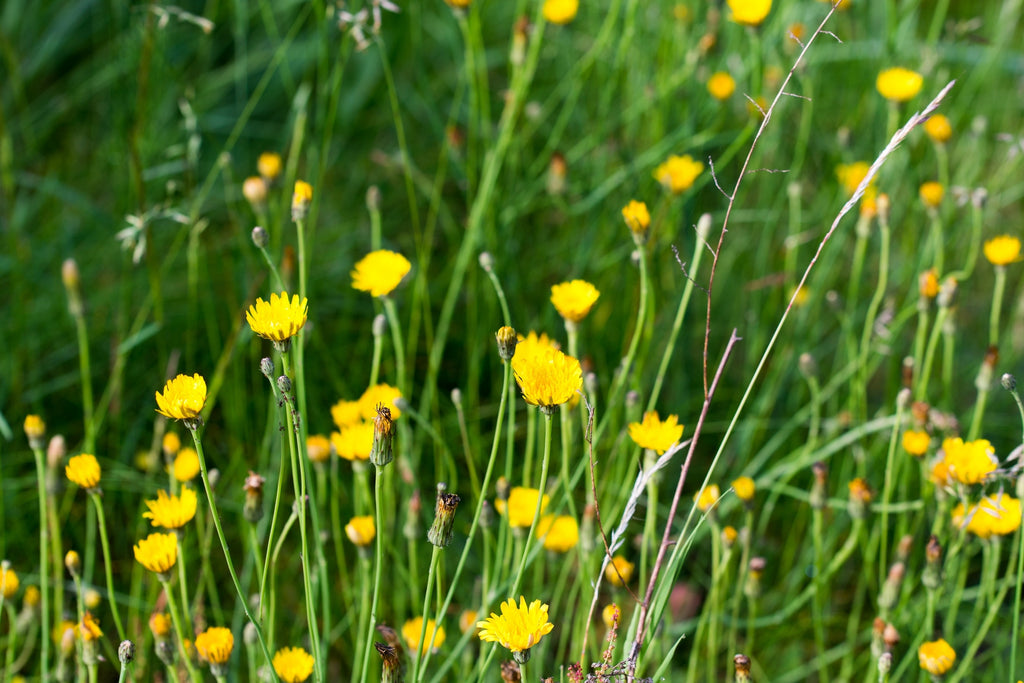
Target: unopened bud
[(891, 587), (818, 492), (486, 261), (931, 577), (69, 274), (72, 562), (284, 384), (260, 237), (440, 533), (741, 663), (752, 587), (253, 508), (267, 368), (507, 340), (1009, 382), (126, 652), (382, 450), (891, 637)]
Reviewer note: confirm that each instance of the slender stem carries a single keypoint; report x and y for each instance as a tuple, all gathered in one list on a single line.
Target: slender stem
[(378, 491), (396, 341), (44, 564), (1019, 581), (179, 630), (997, 305), (418, 654), (107, 564), (89, 444)]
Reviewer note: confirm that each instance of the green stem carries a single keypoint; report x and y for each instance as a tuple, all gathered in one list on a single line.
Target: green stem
[(929, 354), (1019, 582), (396, 341), (997, 305), (178, 629), (890, 476), (378, 485), (107, 564), (418, 654), (89, 444), (44, 564)]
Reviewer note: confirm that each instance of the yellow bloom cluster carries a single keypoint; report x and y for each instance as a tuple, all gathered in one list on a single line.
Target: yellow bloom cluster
[(280, 318), (83, 470), (157, 552), (1002, 250), (171, 512), (215, 644), (183, 397)]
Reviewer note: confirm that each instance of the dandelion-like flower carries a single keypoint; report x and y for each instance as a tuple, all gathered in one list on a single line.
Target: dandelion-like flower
[(574, 299), (997, 515), (707, 497), (293, 664), (518, 628), (619, 571), (938, 128), (931, 194), (547, 377), (183, 398), (8, 582), (361, 530), (1002, 250), (215, 645), (655, 434), (35, 431), (936, 657), (899, 84), (749, 12), (721, 85), (744, 488), (610, 615), (89, 628), (521, 505), (379, 272), (269, 165), (302, 197), (160, 625), (280, 318), (379, 395), (928, 283), (560, 534), (532, 341), (171, 444), (677, 173), (637, 217), (353, 442), (318, 447), (915, 442), (851, 175), (969, 462), (83, 470), (171, 512), (345, 413), (186, 465), (158, 553), (432, 639), (560, 11)]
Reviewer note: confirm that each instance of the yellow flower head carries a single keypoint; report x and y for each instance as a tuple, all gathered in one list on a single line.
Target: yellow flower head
[(721, 85), (939, 473), (432, 639), (186, 465), (860, 491), (31, 597), (560, 534), (936, 657), (379, 272), (574, 299), (969, 462), (89, 628), (519, 627), (938, 128), (8, 583), (269, 165), (346, 413), (183, 397), (637, 217), (35, 429), (931, 193), (83, 470), (157, 552), (171, 443), (92, 598), (521, 504), (379, 394), (899, 84), (293, 664), (749, 12), (610, 615), (707, 497), (677, 173), (619, 571), (531, 342), (160, 625), (744, 489), (851, 175), (172, 512), (1002, 250), (842, 6), (997, 515), (354, 442), (361, 530), (654, 434), (215, 644), (278, 319), (928, 283), (318, 447), (916, 442), (302, 195), (560, 11), (546, 377), (460, 4)]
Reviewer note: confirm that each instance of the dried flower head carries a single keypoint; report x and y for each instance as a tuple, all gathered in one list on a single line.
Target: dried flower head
[(83, 470), (171, 512), (899, 84), (574, 299), (655, 434), (379, 272), (183, 398), (280, 318)]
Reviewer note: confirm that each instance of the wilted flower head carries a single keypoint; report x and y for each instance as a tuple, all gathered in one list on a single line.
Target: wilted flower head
[(899, 84), (379, 272)]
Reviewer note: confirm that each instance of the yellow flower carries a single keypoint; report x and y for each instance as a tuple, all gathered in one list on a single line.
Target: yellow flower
[(92, 598), (654, 434), (269, 165), (293, 664), (186, 465), (1002, 250), (379, 272), (157, 552), (749, 12), (928, 283), (215, 644), (461, 4), (171, 512), (183, 397), (637, 217), (678, 173), (160, 625), (842, 6), (31, 597), (302, 194), (546, 377), (432, 639), (860, 491), (171, 443), (936, 657), (83, 470), (35, 430), (931, 194), (916, 442), (346, 413), (619, 571), (379, 394), (851, 175), (318, 447), (521, 505), (560, 11), (899, 84), (519, 627), (938, 128), (744, 488), (721, 85), (560, 534), (574, 299), (939, 473), (531, 342), (467, 620), (279, 319), (610, 615), (8, 583), (354, 442), (970, 462), (707, 497), (997, 515), (89, 628), (361, 530)]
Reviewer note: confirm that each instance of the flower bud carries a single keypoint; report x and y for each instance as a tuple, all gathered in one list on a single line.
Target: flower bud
[(253, 508), (507, 340), (126, 652), (382, 450), (742, 667), (260, 237), (73, 563), (440, 533), (818, 492), (284, 384), (392, 667)]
